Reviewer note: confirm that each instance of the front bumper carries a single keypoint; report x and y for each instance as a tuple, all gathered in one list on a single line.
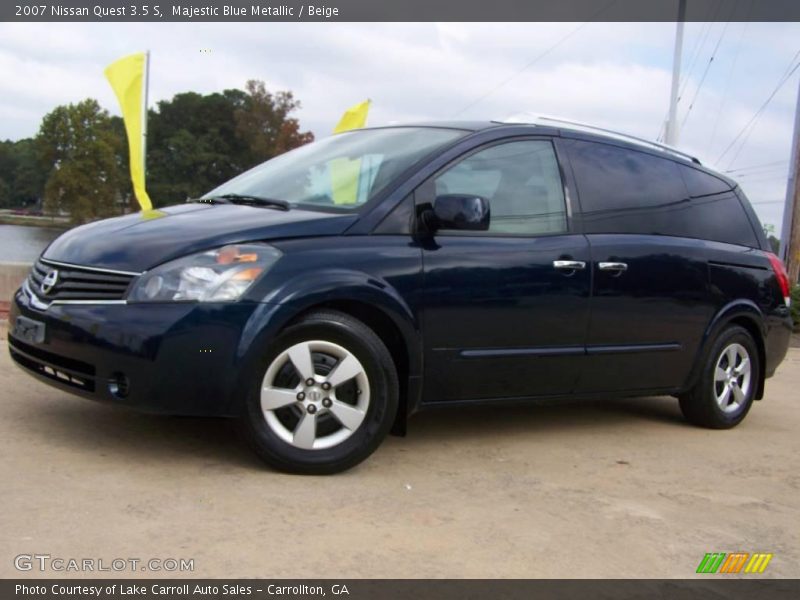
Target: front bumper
[(170, 358)]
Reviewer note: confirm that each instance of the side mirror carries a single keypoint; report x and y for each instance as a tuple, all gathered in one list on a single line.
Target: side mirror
[(459, 211)]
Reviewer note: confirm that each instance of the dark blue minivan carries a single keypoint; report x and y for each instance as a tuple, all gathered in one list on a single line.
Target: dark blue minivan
[(327, 294)]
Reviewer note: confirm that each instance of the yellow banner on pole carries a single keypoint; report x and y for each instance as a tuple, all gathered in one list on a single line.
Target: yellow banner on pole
[(354, 117), (127, 79)]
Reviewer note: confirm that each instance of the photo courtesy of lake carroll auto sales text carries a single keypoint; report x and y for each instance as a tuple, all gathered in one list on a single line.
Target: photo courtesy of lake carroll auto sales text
[(400, 300), (133, 590)]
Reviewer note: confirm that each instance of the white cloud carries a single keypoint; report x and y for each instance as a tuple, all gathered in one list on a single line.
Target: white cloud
[(612, 74)]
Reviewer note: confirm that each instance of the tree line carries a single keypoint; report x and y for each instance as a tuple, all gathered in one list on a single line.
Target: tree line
[(77, 164)]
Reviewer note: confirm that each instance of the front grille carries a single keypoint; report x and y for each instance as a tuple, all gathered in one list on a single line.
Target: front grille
[(73, 283), (68, 371)]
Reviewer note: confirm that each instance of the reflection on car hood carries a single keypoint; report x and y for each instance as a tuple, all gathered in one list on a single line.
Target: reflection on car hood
[(141, 241)]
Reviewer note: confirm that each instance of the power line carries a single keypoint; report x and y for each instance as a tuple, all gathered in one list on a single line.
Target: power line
[(761, 172), (755, 116), (699, 47), (758, 114), (767, 178), (705, 72), (769, 164), (700, 43), (535, 60), (788, 71), (729, 79), (702, 37)]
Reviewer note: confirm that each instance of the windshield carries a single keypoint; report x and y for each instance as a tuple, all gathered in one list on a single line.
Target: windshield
[(340, 172)]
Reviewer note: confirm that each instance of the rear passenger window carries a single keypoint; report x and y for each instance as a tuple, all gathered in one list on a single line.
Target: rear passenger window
[(522, 182), (612, 178), (626, 191)]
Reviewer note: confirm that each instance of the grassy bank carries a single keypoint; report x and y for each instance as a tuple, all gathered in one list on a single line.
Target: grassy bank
[(54, 222)]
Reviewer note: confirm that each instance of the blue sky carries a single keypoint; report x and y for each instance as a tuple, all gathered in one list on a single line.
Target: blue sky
[(615, 75)]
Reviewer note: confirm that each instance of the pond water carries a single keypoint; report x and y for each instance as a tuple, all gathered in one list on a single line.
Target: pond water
[(21, 243)]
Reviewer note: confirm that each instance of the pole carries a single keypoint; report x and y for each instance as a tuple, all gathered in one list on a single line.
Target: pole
[(144, 113), (790, 229), (671, 130)]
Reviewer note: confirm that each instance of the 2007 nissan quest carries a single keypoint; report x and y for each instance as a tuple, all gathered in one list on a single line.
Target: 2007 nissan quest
[(327, 294)]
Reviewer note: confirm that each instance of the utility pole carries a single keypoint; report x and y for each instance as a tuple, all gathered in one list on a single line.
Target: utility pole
[(790, 229), (145, 93), (671, 129)]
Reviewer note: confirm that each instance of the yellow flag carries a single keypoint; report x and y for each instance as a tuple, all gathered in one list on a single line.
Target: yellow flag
[(344, 172), (126, 77), (354, 117)]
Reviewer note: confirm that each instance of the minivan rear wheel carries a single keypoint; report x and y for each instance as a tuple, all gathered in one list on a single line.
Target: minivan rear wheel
[(324, 395), (725, 391)]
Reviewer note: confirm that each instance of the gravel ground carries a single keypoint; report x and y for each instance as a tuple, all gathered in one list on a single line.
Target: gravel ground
[(621, 488)]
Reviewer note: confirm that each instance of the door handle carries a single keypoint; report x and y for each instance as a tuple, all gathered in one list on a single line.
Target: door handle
[(569, 265), (612, 266)]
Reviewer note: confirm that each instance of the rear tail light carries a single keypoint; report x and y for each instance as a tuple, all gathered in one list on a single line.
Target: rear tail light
[(782, 276)]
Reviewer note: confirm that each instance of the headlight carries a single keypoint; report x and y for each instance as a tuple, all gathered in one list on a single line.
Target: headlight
[(214, 276)]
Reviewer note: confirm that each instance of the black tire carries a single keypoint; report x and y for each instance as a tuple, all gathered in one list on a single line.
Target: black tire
[(359, 340), (699, 405)]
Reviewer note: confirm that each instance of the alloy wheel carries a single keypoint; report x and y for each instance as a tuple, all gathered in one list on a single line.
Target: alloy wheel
[(732, 378), (315, 394)]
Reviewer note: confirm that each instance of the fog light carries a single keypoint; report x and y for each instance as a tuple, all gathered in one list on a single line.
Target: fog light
[(119, 385)]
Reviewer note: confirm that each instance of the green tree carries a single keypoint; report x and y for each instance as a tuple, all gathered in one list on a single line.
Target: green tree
[(83, 152), (192, 145), (78, 162), (29, 177), (196, 142), (264, 124), (20, 173), (125, 185), (5, 194), (7, 169), (769, 231)]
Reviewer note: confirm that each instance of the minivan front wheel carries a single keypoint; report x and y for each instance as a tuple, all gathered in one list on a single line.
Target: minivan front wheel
[(324, 396), (726, 389)]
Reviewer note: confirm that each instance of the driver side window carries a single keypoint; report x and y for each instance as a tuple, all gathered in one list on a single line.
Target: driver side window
[(522, 182)]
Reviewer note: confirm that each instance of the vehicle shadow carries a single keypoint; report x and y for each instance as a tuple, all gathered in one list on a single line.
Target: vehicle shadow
[(553, 418), (127, 435), (130, 436)]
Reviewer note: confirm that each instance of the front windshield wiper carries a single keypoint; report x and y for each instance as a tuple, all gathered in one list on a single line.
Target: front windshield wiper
[(247, 199)]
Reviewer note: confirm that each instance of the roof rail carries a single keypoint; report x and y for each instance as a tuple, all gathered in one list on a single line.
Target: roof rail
[(537, 119)]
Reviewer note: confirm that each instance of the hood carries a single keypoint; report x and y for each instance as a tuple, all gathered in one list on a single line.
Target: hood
[(140, 241)]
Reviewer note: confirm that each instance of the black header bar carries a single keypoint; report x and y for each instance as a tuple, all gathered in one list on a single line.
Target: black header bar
[(397, 10)]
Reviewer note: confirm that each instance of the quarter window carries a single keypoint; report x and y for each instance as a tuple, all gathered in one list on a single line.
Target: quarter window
[(522, 182), (702, 184)]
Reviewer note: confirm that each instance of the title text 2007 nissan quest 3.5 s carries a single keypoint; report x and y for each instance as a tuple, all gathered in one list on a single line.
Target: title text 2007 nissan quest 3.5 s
[(327, 294)]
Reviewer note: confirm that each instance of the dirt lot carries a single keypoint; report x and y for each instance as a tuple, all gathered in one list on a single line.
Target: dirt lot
[(603, 489)]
